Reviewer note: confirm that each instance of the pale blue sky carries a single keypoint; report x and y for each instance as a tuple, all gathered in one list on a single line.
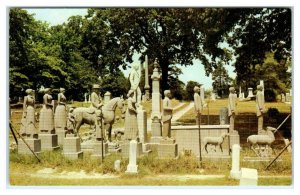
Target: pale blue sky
[(56, 16)]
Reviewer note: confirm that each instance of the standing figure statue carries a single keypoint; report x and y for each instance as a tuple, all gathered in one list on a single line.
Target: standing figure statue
[(135, 78), (199, 103), (260, 106), (28, 119), (96, 108), (60, 116), (71, 122), (131, 126), (167, 115), (232, 101), (46, 124)]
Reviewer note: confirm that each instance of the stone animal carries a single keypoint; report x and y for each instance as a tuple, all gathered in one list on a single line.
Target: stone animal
[(262, 140), (216, 141), (84, 115)]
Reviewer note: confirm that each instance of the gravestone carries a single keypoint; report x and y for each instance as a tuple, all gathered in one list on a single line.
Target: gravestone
[(72, 148), (235, 172), (249, 177), (282, 97), (213, 97), (117, 165), (288, 97), (250, 93), (224, 116), (34, 144), (132, 166), (142, 127)]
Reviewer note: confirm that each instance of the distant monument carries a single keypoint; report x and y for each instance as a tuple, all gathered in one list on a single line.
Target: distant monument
[(250, 93)]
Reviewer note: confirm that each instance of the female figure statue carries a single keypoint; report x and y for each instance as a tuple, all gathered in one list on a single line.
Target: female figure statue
[(46, 114), (60, 117), (131, 127), (28, 121)]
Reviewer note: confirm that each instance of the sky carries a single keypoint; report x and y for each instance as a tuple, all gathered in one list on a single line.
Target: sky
[(195, 72)]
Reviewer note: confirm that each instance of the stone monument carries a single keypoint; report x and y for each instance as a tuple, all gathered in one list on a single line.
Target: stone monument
[(235, 172), (260, 107), (28, 126), (135, 78), (147, 86), (60, 117), (132, 166), (46, 124), (72, 147), (232, 102), (223, 116), (250, 93), (156, 104), (249, 177), (198, 104)]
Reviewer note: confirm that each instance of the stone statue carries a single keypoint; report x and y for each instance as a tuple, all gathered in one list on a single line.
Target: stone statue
[(71, 122), (46, 124), (60, 116), (199, 103), (135, 78), (28, 119), (131, 126), (167, 114), (232, 101), (96, 102), (260, 106)]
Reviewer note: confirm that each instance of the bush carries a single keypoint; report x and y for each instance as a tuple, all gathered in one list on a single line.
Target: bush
[(270, 95), (273, 112)]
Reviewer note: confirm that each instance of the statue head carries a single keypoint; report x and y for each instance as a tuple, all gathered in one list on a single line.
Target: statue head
[(196, 89), (29, 91), (231, 90), (62, 90), (130, 93), (96, 87), (167, 93)]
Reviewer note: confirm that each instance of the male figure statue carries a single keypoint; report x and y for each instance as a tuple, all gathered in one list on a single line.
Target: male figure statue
[(96, 105), (232, 100), (199, 103), (135, 78), (167, 115), (260, 106)]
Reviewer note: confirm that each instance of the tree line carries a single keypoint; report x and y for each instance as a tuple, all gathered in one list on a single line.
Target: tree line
[(91, 48)]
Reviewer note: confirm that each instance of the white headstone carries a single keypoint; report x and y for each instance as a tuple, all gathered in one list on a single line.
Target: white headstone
[(282, 97), (240, 93), (213, 96), (250, 93), (202, 92), (117, 165), (249, 177), (89, 98), (235, 172), (132, 167)]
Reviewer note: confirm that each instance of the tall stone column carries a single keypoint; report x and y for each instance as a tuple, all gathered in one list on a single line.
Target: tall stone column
[(147, 87), (156, 105)]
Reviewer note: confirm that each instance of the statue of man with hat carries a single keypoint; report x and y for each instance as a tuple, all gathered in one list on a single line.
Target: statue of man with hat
[(96, 105)]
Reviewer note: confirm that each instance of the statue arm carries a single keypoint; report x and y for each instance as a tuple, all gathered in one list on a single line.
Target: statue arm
[(130, 107)]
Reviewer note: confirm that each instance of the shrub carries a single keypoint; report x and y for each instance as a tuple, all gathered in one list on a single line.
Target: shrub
[(270, 95)]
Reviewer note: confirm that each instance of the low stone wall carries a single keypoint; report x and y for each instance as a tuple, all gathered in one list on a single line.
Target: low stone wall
[(187, 138), (246, 124)]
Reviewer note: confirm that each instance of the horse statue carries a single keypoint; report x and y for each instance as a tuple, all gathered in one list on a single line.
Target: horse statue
[(85, 115)]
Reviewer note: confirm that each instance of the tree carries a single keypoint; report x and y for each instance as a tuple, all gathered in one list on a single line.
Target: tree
[(221, 80), (174, 36), (258, 31), (190, 89)]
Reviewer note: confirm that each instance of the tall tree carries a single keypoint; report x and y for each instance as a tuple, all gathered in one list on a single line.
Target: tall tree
[(221, 80)]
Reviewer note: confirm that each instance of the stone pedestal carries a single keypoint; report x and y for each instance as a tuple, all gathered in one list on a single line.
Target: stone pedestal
[(132, 166), (142, 125), (72, 148), (260, 123), (34, 144), (224, 116), (250, 93), (97, 150), (61, 134), (125, 148), (234, 138), (249, 177), (235, 172), (48, 142), (167, 149)]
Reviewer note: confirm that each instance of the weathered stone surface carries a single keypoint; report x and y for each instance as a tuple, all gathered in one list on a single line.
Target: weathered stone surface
[(97, 150), (125, 148), (34, 144), (142, 125), (72, 148), (167, 151), (132, 166), (48, 142), (249, 177), (235, 172)]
